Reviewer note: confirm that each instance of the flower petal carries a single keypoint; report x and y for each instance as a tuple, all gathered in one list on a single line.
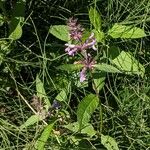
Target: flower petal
[(83, 75)]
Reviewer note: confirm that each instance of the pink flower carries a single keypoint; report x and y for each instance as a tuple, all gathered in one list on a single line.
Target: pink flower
[(75, 29), (83, 74), (72, 49), (90, 43), (88, 64)]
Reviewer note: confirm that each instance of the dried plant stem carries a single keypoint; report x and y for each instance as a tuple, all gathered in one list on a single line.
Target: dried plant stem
[(21, 96)]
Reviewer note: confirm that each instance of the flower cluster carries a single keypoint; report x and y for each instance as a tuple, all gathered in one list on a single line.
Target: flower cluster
[(75, 29), (76, 33)]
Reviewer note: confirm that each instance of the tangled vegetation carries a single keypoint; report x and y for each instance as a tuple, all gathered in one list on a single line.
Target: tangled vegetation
[(74, 74)]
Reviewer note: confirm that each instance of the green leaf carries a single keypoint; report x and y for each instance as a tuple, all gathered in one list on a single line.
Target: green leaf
[(126, 62), (70, 67), (44, 137), (95, 18), (15, 29), (30, 121), (85, 109), (107, 68), (99, 35), (88, 129), (99, 80), (60, 31), (122, 31), (62, 96), (41, 92), (109, 142)]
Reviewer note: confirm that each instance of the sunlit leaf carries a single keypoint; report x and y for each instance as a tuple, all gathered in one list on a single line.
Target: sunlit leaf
[(30, 121), (88, 129), (85, 109), (109, 142), (62, 96), (123, 31), (107, 68), (99, 35), (99, 80), (44, 136), (60, 31), (70, 67), (95, 18), (127, 63), (15, 30)]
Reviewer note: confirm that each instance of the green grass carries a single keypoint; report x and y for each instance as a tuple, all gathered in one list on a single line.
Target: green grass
[(125, 99)]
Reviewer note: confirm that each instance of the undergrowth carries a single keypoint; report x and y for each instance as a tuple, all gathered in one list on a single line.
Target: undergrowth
[(123, 112)]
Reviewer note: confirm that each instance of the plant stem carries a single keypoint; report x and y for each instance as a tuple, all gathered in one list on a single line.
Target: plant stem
[(100, 104)]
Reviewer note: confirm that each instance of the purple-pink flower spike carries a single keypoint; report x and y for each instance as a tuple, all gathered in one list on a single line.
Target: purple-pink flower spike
[(88, 64), (75, 32), (72, 49), (75, 29), (90, 43)]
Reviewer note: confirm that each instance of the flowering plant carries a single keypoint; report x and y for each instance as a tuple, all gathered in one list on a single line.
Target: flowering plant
[(76, 33)]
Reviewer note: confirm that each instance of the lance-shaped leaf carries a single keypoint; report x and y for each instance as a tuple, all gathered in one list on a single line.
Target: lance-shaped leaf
[(88, 129), (62, 96), (44, 136), (60, 31), (30, 121), (95, 18), (109, 142), (98, 80), (85, 109), (123, 31), (107, 68), (127, 63), (70, 67), (15, 30)]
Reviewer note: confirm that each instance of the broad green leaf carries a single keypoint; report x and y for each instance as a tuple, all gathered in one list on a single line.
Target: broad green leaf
[(30, 121), (109, 142), (85, 109), (99, 80), (60, 31), (127, 63), (88, 129), (107, 68), (122, 31), (95, 18), (44, 137), (15, 29), (99, 35), (62, 96), (70, 67), (41, 92)]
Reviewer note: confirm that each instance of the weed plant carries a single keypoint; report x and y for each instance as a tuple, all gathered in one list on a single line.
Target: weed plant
[(41, 101)]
